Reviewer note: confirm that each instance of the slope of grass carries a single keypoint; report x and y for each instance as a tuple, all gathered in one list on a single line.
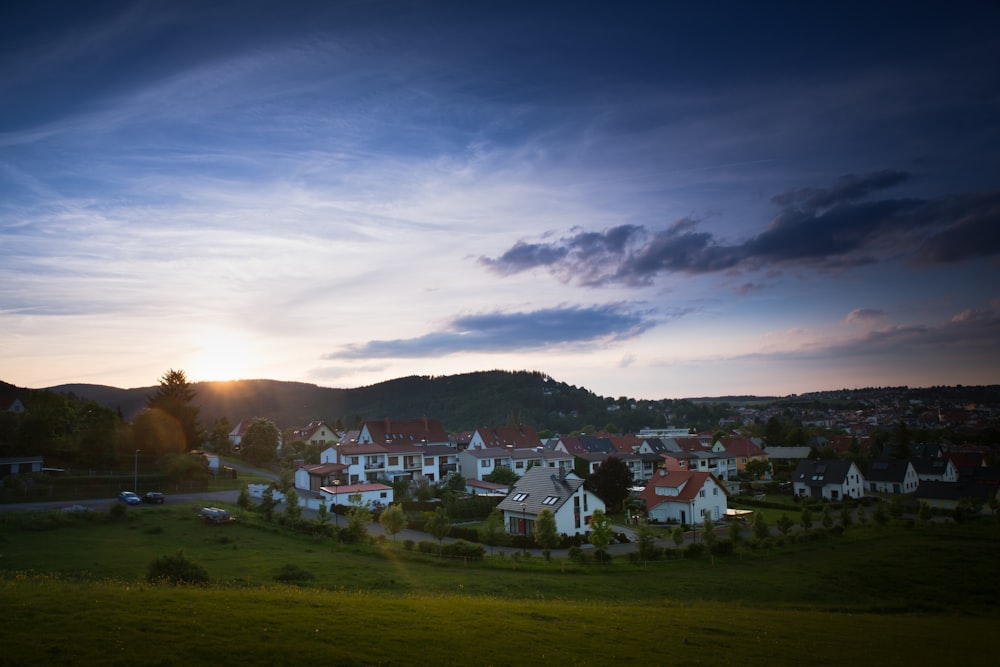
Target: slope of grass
[(75, 585)]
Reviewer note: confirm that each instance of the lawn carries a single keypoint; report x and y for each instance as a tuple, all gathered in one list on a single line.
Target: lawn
[(871, 596)]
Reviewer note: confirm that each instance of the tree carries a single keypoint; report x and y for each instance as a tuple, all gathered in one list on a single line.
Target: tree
[(173, 396), (492, 530), (180, 468), (218, 439), (260, 442), (322, 515), (646, 542), (393, 519), (358, 518), (267, 503), (757, 469), (825, 518), (708, 529), (601, 532), (760, 528), (501, 475), (612, 482), (293, 510), (438, 525), (784, 523), (677, 534), (806, 518), (546, 533), (925, 511)]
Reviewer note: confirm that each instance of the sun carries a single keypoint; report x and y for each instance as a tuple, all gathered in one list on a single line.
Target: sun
[(220, 355)]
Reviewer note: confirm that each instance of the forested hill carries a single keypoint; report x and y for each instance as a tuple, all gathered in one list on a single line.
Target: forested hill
[(461, 402)]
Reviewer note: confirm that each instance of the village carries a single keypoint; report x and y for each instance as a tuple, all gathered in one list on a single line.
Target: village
[(677, 477)]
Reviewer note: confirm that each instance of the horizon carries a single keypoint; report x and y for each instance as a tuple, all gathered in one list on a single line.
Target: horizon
[(645, 200)]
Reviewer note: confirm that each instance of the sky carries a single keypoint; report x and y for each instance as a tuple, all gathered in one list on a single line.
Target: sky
[(646, 199)]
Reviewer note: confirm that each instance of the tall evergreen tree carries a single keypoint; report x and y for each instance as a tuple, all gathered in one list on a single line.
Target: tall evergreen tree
[(174, 396)]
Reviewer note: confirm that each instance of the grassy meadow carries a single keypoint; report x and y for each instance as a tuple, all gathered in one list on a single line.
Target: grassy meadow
[(74, 592)]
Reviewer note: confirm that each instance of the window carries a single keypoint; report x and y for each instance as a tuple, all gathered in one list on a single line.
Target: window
[(429, 461), (576, 511), (550, 500), (354, 460), (701, 494), (485, 463), (518, 497), (715, 491), (584, 502), (384, 494)]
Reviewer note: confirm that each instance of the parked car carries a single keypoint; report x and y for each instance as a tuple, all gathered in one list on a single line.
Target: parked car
[(216, 515), (153, 498), (129, 498)]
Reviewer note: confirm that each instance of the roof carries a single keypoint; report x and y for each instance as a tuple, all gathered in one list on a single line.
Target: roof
[(741, 447), (541, 488), (346, 489), (956, 490), (687, 482), (489, 486), (307, 432), (822, 472), (324, 469), (516, 436), (406, 431), (887, 470), (931, 467), (787, 453)]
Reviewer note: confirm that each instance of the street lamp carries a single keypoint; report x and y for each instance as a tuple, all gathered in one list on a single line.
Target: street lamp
[(524, 530), (135, 478), (336, 517)]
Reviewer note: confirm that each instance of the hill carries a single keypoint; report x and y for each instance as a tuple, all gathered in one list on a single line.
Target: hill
[(461, 402)]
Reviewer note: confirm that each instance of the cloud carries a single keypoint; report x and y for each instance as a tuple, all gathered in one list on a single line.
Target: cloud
[(505, 332), (862, 315), (823, 229)]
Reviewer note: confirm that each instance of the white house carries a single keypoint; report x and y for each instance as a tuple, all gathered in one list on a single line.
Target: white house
[(556, 489), (833, 479), (371, 494), (684, 496), (891, 476)]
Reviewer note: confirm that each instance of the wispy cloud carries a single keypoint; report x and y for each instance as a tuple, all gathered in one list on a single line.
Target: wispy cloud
[(504, 332)]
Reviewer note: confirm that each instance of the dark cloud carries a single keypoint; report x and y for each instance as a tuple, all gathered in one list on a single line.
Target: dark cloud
[(824, 228), (506, 332), (847, 189)]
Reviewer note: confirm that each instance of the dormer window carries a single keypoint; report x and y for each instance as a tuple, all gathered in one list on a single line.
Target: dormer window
[(518, 497)]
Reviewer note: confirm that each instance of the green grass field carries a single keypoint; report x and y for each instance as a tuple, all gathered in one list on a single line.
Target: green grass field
[(76, 587)]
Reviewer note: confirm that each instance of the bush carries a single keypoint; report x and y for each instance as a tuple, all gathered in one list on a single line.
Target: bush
[(694, 550), (177, 569), (463, 549), (722, 548), (118, 512), (577, 554), (408, 545), (293, 574)]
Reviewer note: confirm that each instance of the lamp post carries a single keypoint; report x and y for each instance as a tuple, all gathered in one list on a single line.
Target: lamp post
[(135, 474), (336, 517), (524, 530)]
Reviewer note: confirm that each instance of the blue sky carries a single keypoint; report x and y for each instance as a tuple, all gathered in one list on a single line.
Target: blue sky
[(647, 199)]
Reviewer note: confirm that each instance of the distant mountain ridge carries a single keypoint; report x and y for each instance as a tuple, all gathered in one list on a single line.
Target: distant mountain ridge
[(461, 402)]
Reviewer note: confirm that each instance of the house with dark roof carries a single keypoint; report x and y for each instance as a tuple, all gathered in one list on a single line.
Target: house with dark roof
[(314, 433), (684, 497), (833, 479), (891, 476), (314, 477), (558, 490), (935, 469), (981, 485)]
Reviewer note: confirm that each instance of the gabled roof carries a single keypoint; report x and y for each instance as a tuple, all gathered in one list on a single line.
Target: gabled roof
[(240, 428), (887, 470), (659, 445), (822, 472), (687, 483), (932, 467), (741, 447), (541, 488), (307, 432), (348, 489), (324, 469), (503, 436), (406, 431)]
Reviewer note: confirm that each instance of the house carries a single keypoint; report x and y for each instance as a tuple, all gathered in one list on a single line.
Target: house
[(477, 487), (236, 435), (684, 497), (371, 494), (982, 485), (935, 469), (832, 479), (315, 433), (743, 450), (314, 477), (891, 476), (403, 432), (516, 437), (17, 465), (559, 490)]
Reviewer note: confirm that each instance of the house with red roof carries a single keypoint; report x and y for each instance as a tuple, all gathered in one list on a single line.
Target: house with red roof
[(387, 431), (515, 437), (684, 497)]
